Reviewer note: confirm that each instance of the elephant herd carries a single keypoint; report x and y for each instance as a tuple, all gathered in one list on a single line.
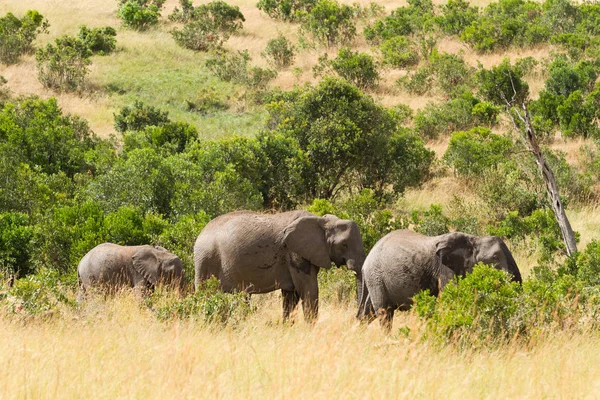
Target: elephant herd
[(260, 253)]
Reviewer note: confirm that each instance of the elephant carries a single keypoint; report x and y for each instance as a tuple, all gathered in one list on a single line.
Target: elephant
[(404, 262), (260, 253), (112, 266)]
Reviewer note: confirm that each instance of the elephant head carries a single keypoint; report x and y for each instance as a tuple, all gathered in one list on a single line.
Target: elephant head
[(327, 239), (460, 252), (156, 264)]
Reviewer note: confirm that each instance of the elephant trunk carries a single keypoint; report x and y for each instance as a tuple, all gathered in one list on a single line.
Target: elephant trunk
[(512, 264)]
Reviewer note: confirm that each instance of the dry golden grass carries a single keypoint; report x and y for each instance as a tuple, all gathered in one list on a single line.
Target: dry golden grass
[(117, 350)]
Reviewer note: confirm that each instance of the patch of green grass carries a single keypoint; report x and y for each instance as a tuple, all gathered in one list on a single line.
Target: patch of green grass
[(151, 68)]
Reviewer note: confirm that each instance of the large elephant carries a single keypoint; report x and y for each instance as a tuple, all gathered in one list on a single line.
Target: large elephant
[(404, 262), (111, 266), (260, 253)]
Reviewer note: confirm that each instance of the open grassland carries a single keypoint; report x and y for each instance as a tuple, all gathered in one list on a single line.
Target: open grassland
[(117, 350)]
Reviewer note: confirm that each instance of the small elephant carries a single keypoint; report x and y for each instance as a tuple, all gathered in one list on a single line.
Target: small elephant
[(259, 253), (404, 262), (141, 267)]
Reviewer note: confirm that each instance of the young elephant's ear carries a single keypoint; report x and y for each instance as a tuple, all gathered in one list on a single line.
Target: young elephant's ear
[(146, 263), (306, 237), (455, 251)]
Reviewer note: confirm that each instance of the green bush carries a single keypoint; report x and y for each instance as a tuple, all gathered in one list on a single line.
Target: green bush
[(139, 116), (209, 305), (404, 21), (435, 120), (17, 35), (430, 222), (235, 67), (452, 74), (418, 83), (288, 10), (329, 23), (337, 285), (98, 40), (139, 15), (565, 77), (357, 68), (399, 52), (457, 15), (169, 138), (470, 153), (208, 25), (503, 84), (41, 294), (16, 237), (480, 310), (280, 52), (64, 64)]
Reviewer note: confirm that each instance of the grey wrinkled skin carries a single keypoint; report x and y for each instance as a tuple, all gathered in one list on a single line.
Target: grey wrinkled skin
[(260, 253), (404, 262), (111, 266)]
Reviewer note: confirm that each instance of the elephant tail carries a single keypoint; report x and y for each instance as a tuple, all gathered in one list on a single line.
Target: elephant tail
[(365, 306)]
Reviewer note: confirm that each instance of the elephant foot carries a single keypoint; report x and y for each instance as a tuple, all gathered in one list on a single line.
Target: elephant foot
[(386, 318)]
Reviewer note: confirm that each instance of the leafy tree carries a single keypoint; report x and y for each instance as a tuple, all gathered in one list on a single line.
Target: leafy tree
[(503, 83), (17, 35), (330, 23), (565, 78), (38, 134), (341, 130), (64, 64), (404, 21), (456, 15)]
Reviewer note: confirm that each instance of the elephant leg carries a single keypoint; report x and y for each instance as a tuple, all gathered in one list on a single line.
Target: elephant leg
[(386, 318), (290, 301), (305, 281)]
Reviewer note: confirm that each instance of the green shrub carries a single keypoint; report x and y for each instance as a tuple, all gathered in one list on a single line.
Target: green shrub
[(64, 64), (456, 15), (15, 244), (565, 77), (138, 15), (4, 91), (169, 138), (587, 264), (470, 153), (208, 25), (280, 52), (399, 52), (129, 227), (503, 83), (404, 21), (357, 68), (209, 305), (98, 40), (435, 120), (337, 286), (330, 23), (418, 83), (41, 294), (235, 67), (577, 116), (430, 222), (139, 116), (452, 74), (480, 310), (17, 35), (486, 113), (289, 10)]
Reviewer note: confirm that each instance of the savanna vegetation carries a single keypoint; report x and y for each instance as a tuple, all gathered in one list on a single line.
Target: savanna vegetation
[(137, 122)]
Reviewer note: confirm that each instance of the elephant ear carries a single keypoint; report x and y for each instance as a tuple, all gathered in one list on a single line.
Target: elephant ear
[(455, 251), (306, 237), (146, 264)]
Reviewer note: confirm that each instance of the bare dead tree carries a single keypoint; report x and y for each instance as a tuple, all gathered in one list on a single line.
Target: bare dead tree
[(528, 134)]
